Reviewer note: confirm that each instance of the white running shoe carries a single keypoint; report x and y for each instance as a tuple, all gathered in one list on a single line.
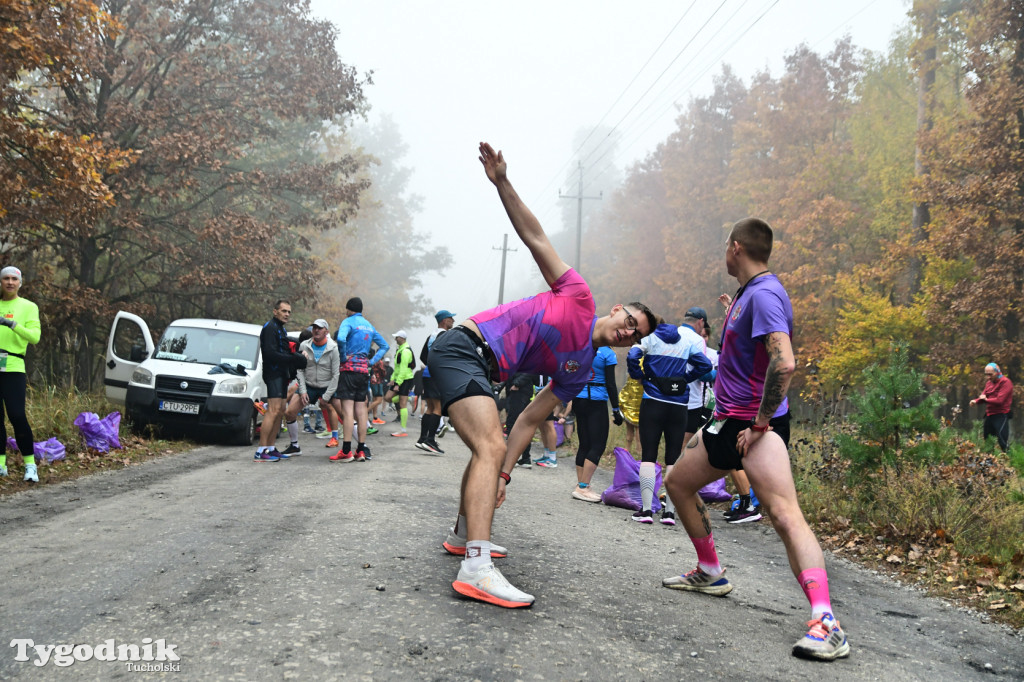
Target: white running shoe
[(31, 474), (489, 585), (457, 546)]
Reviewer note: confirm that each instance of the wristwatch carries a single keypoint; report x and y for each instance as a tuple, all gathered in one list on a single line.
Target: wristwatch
[(759, 429)]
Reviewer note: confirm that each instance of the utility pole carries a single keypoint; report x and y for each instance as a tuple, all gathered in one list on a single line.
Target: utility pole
[(579, 211), (504, 250)]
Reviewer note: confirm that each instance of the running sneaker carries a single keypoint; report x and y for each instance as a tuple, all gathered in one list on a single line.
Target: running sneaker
[(260, 406), (266, 456), (733, 506), (421, 445), (280, 455), (585, 493), (323, 434), (292, 449), (379, 421), (360, 456), (643, 516), (399, 434), (371, 430), (748, 513), (825, 640), (489, 585), (31, 474), (699, 581), (332, 443), (457, 546), (524, 463), (366, 452), (340, 456), (308, 429), (432, 448), (547, 462), (668, 518), (441, 430)]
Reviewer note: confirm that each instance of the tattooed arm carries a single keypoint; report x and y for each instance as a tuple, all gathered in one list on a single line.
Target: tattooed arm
[(781, 366)]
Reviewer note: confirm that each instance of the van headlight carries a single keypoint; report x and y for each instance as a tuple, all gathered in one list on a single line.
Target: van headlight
[(235, 386), (142, 376)]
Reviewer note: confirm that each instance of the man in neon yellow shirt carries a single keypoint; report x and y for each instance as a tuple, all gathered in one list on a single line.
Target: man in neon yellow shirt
[(401, 381), (20, 326)]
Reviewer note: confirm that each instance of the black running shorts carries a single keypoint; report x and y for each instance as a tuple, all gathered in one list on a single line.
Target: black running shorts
[(277, 386), (459, 367), (352, 386), (721, 446), (696, 418), (430, 391)]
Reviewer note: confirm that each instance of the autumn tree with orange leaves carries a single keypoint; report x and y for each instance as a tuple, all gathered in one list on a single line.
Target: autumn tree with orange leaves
[(222, 106)]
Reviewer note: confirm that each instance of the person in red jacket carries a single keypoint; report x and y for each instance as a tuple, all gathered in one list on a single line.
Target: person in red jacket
[(998, 398)]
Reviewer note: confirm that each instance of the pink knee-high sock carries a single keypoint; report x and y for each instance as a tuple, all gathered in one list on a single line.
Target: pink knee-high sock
[(814, 582), (707, 557)]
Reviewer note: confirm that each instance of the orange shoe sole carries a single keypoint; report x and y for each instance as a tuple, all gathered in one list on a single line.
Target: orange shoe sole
[(467, 590)]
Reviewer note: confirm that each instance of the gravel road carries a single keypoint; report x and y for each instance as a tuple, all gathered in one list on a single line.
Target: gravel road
[(314, 570)]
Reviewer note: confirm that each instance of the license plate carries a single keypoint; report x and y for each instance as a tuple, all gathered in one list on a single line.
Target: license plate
[(182, 408)]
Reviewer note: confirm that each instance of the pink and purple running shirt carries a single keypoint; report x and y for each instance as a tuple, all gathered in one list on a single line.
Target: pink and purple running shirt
[(762, 307), (550, 333)]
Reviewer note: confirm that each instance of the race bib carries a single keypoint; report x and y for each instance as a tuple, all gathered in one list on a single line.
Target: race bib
[(716, 425)]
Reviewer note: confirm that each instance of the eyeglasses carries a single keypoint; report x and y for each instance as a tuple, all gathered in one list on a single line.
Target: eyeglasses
[(632, 325)]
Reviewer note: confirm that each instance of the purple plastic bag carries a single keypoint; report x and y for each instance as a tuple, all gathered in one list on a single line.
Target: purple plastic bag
[(559, 434), (714, 491), (99, 434), (51, 450), (625, 488)]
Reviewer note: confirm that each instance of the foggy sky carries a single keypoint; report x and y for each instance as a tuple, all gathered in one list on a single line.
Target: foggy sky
[(528, 77)]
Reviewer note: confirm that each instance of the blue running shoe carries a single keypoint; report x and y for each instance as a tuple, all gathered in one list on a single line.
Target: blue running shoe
[(267, 456)]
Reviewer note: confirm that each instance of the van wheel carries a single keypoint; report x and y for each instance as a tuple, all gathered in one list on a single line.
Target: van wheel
[(247, 433)]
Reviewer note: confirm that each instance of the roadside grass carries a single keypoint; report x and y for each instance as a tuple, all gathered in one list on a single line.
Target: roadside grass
[(953, 528), (51, 413)]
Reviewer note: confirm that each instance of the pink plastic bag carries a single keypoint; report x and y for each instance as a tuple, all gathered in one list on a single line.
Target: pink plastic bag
[(625, 488), (100, 434), (714, 491)]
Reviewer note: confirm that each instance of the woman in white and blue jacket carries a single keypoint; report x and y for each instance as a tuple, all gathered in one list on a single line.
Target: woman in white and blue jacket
[(672, 358)]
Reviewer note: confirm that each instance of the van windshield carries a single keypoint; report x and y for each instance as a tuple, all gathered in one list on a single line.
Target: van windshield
[(208, 346)]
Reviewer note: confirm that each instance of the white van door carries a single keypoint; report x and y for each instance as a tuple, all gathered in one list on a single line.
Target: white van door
[(128, 345)]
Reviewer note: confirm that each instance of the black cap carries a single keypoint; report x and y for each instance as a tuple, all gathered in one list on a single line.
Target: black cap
[(355, 304)]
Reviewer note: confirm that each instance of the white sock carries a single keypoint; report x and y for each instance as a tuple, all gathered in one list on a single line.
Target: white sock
[(647, 474), (293, 431), (478, 555)]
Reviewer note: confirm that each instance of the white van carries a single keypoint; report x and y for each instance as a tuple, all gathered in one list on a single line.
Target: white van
[(201, 378)]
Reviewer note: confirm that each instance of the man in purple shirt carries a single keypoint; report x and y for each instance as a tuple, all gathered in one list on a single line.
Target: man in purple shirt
[(754, 370), (554, 333)]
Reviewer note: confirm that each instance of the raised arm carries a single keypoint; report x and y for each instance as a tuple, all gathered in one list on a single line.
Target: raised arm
[(525, 223)]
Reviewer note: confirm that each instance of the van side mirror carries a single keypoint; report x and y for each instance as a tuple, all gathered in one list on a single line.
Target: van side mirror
[(137, 354)]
